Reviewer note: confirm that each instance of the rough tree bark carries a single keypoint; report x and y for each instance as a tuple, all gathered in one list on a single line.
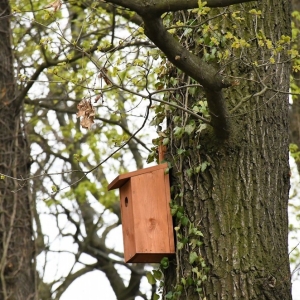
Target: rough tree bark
[(16, 240), (239, 202), (295, 108)]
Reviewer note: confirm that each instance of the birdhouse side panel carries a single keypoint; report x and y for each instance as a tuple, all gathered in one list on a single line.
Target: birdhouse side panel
[(151, 228), (168, 213), (126, 201)]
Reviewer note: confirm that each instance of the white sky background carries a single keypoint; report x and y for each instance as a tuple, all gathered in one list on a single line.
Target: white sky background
[(294, 237)]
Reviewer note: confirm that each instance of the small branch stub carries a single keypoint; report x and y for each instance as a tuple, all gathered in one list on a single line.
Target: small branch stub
[(162, 149)]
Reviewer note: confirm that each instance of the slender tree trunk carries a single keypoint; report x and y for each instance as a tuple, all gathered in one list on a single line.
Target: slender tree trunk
[(295, 108), (239, 202), (16, 239)]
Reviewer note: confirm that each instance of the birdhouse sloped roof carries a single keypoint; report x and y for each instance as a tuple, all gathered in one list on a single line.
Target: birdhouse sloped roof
[(123, 178)]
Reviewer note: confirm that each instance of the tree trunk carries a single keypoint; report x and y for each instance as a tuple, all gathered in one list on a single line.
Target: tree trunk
[(295, 108), (16, 249), (235, 192)]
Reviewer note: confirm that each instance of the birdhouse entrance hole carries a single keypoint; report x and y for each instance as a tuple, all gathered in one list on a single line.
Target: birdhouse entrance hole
[(126, 201)]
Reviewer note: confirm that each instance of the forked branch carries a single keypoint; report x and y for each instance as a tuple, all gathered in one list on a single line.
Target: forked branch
[(189, 63)]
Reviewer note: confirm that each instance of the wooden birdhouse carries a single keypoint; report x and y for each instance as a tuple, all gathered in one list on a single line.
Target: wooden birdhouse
[(146, 217)]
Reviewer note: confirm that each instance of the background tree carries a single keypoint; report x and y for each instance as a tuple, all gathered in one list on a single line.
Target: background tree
[(17, 273), (59, 64)]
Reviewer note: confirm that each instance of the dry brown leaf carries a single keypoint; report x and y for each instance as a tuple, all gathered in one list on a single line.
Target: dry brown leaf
[(56, 5), (87, 111)]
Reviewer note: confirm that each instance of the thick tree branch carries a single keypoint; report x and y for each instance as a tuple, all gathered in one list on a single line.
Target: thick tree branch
[(189, 63), (72, 277), (196, 68), (156, 8)]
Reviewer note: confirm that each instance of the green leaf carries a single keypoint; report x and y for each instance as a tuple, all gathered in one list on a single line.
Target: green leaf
[(197, 169), (54, 188), (193, 257), (204, 165), (179, 214), (155, 297), (196, 271), (151, 157), (190, 172), (179, 245), (255, 12), (187, 31), (178, 132), (184, 220), (190, 128), (194, 230), (174, 209), (201, 127), (157, 274), (164, 263), (150, 278), (180, 151), (166, 141), (50, 202), (189, 281), (293, 148), (195, 242), (179, 288)]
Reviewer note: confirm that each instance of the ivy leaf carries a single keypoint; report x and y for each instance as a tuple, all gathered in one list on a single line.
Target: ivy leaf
[(196, 270), (179, 245), (187, 31), (190, 172), (178, 131), (192, 258), (155, 297), (194, 243), (184, 220), (201, 127), (190, 128), (164, 262), (150, 278), (174, 209), (204, 165), (179, 214), (157, 274), (166, 141)]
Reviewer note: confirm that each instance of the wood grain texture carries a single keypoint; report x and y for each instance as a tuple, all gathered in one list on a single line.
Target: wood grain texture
[(146, 217)]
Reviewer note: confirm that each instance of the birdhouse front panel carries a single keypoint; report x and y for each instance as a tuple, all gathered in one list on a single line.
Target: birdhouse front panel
[(146, 217), (127, 214)]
